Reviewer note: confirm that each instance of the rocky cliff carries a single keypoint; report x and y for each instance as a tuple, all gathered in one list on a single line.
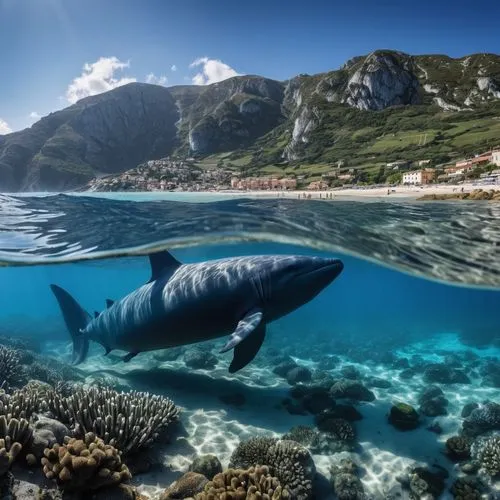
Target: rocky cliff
[(306, 117)]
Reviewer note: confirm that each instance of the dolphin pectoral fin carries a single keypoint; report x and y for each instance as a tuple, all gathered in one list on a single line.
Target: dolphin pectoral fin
[(248, 324), (247, 349), (129, 356)]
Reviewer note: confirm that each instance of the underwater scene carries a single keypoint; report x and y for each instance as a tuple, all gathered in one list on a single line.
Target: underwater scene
[(210, 347)]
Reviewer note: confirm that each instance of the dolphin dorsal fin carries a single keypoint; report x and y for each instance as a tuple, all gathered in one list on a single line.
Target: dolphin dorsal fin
[(96, 314), (161, 263), (109, 303)]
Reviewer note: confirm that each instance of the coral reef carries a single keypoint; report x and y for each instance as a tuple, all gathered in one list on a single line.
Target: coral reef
[(208, 465), (466, 488), (351, 389), (487, 453), (187, 486), (404, 417), (427, 484), (290, 462), (458, 447), (22, 403), (251, 484), (432, 402), (345, 483), (442, 374), (14, 435), (10, 369), (82, 465), (483, 419), (129, 421)]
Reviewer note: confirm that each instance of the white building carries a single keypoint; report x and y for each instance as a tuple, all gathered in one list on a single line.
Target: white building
[(495, 157), (423, 176)]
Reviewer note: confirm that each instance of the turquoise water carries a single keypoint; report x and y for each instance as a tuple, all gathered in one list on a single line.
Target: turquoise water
[(420, 286)]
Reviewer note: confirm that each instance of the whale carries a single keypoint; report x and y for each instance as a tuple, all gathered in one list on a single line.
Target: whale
[(182, 304)]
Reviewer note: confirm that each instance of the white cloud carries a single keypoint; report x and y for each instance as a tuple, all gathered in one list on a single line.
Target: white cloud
[(173, 67), (96, 78), (4, 127), (212, 71), (35, 115), (157, 80)]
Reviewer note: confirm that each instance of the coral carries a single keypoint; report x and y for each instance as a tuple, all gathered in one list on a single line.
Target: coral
[(466, 488), (304, 435), (82, 465), (287, 460), (351, 389), (39, 370), (21, 403), (345, 483), (458, 447), (187, 486), (404, 417), (14, 434), (46, 433), (10, 368), (208, 465), (443, 374), (252, 484), (432, 402), (339, 428), (483, 419), (427, 484), (487, 452), (129, 421)]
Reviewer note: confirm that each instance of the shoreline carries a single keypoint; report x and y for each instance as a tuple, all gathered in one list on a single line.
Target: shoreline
[(376, 193), (401, 193)]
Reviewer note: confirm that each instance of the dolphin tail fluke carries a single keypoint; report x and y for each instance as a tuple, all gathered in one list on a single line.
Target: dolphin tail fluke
[(76, 319)]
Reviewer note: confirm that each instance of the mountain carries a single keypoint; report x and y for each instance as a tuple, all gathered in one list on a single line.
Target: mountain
[(375, 108)]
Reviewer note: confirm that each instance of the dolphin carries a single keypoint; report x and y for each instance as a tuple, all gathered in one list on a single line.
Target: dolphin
[(186, 303)]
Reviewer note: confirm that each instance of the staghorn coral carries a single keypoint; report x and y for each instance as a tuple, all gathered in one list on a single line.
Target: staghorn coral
[(251, 484), (82, 465), (129, 421), (14, 434), (10, 368), (287, 460), (487, 452), (21, 403)]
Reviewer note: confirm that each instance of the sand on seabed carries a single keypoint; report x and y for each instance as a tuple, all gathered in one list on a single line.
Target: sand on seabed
[(366, 193)]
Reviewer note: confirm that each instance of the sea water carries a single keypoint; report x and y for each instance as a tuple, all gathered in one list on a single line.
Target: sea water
[(420, 288)]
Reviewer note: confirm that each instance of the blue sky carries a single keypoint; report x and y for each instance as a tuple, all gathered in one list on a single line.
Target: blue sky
[(56, 51)]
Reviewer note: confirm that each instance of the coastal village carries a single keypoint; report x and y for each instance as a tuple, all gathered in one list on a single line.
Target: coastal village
[(171, 174)]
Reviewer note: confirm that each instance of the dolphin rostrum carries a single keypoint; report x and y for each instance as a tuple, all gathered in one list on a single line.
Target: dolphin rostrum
[(186, 303)]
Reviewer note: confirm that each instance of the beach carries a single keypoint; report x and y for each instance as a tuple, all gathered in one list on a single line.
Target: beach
[(368, 193)]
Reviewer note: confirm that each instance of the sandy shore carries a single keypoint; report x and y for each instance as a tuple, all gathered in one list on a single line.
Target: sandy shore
[(408, 192)]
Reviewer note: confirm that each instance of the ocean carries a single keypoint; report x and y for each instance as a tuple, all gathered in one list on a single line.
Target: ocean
[(386, 385)]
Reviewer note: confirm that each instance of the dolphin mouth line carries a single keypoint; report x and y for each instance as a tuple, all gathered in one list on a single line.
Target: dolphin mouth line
[(335, 264)]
